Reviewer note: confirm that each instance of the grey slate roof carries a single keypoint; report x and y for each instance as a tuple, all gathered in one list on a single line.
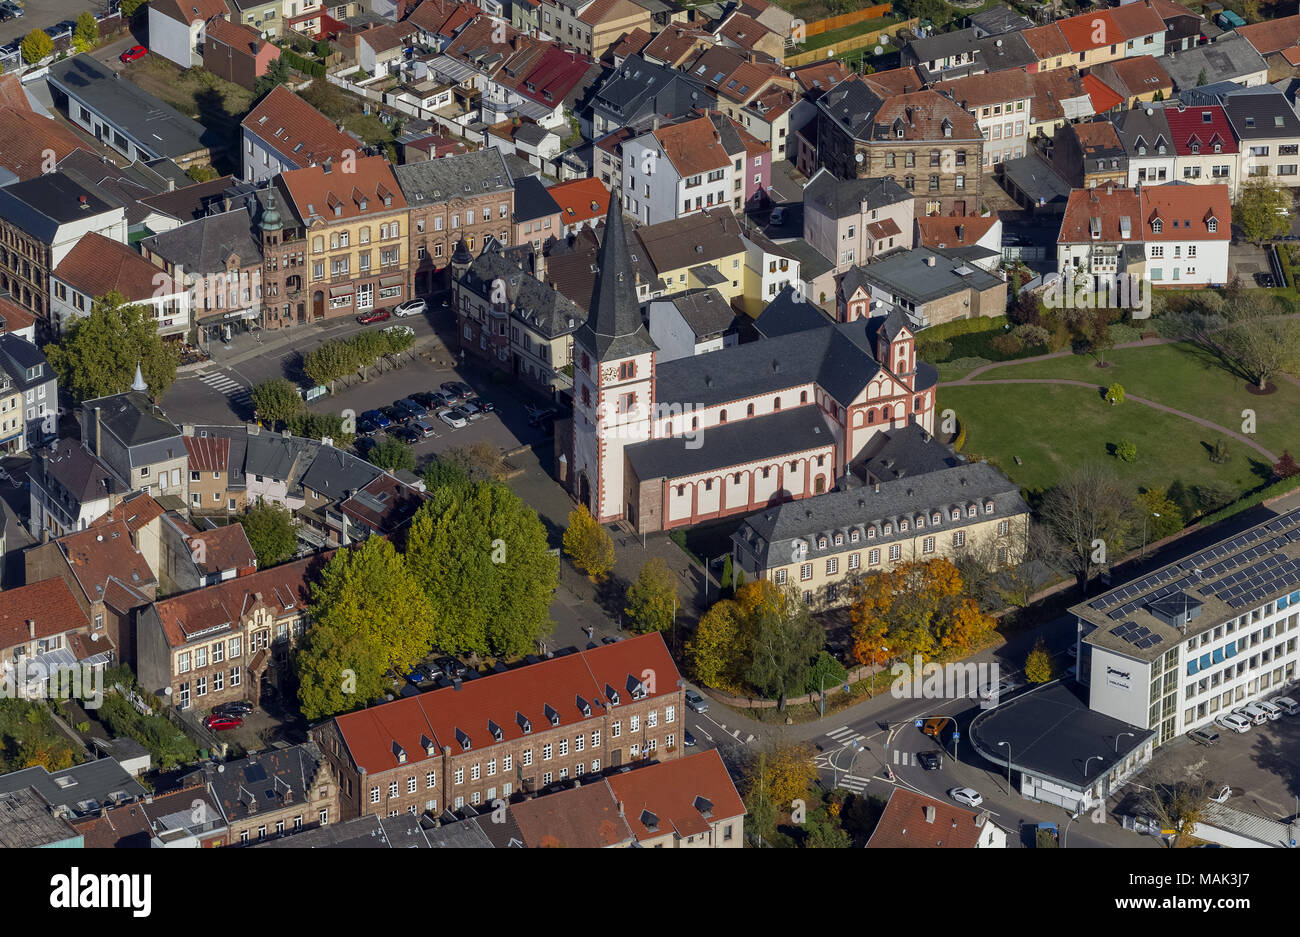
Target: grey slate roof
[(907, 274), (735, 443), (840, 358), (812, 262), (136, 423), (853, 106), (538, 304), (119, 187), (997, 20), (790, 312), (403, 831), (203, 246), (904, 452), (262, 778), (771, 532), (83, 476), (638, 89), (614, 327), (1033, 176), (275, 456), (335, 473), (532, 200), (1264, 116), (17, 355), (154, 126), (39, 205), (1229, 58), (705, 311), (82, 788), (467, 175), (841, 198)]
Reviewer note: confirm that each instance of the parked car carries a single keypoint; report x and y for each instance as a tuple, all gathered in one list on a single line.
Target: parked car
[(219, 723), (1286, 704), (418, 675), (695, 702), (473, 409), (487, 405), (1206, 737), (411, 407), (399, 417), (431, 400), (930, 761), (1253, 712), (1264, 280), (1274, 712), (1232, 722), (424, 428), (236, 707), (15, 9), (459, 390), (966, 796), (412, 307), (688, 740), (452, 418), (377, 417), (379, 315), (58, 31), (450, 666), (407, 435), (366, 427)]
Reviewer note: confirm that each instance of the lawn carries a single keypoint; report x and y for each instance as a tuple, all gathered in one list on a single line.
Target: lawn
[(1053, 428), (1182, 377), (217, 104)]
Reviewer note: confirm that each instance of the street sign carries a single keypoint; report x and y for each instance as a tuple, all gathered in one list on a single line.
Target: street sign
[(846, 688), (956, 736), (918, 723)]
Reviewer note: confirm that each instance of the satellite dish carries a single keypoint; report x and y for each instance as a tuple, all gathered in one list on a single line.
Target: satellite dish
[(879, 50), (858, 157), (94, 636), (830, 53)]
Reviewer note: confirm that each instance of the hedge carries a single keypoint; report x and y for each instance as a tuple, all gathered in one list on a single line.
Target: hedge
[(306, 66), (962, 327), (1284, 259), (1285, 486)]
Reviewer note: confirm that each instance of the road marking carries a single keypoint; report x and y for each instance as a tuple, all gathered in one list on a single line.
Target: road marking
[(854, 784), (842, 730)]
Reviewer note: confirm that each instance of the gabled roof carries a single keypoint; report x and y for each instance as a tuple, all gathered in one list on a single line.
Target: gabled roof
[(1275, 35), (989, 88), (942, 231), (1050, 89), (583, 818), (136, 510), (1185, 212), (1203, 127), (466, 175), (441, 17), (684, 795), (191, 11), (108, 567), (302, 135), (369, 189), (698, 238), (692, 147), (554, 77), (744, 31), (537, 304), (223, 548), (822, 76), (49, 604), (921, 115), (674, 43), (845, 198), (582, 200), (1131, 77), (1046, 41), (632, 43), (1104, 98), (237, 35), (383, 505), (915, 821), (13, 317), (97, 266), (204, 246), (387, 37), (208, 453), (83, 476), (1103, 209), (434, 719), (27, 139)]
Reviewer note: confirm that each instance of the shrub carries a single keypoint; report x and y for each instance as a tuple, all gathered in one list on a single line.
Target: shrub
[(934, 350), (1032, 335), (967, 363), (1115, 394), (1007, 344), (1121, 333), (1126, 450), (964, 327), (960, 440)]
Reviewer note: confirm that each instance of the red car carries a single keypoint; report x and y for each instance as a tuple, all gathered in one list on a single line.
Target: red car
[(216, 722), (379, 315), (133, 53)]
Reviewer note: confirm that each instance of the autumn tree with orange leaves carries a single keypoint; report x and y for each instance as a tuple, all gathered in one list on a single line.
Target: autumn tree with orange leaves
[(916, 608)]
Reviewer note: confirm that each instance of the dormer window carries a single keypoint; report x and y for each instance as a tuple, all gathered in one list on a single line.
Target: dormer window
[(636, 687), (497, 733), (427, 744), (400, 753), (871, 533), (583, 706), (524, 724), (956, 514), (988, 507), (463, 739), (551, 715), (1212, 224), (611, 694), (936, 518)]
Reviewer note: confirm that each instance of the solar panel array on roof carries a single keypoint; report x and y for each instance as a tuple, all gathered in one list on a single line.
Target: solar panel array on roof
[(1140, 636)]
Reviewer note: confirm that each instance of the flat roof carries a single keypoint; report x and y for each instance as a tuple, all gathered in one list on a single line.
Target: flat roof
[(1053, 734)]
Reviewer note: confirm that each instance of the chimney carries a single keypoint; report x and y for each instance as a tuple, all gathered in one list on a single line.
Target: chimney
[(288, 795), (930, 261), (98, 435), (82, 202), (31, 628), (327, 166), (620, 808), (929, 813)]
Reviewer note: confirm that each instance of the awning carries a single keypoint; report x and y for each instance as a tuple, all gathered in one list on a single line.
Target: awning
[(227, 316), (392, 280), (339, 291)]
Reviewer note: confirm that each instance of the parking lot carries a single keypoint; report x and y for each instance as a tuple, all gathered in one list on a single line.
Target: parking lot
[(1261, 765), (38, 14)]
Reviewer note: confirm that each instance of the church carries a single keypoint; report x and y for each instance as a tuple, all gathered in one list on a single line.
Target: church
[(664, 445)]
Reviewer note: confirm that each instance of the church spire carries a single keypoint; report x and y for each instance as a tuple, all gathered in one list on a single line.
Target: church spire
[(138, 384), (614, 328)]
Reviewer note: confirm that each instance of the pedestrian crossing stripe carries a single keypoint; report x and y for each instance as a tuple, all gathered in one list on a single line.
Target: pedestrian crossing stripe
[(842, 730)]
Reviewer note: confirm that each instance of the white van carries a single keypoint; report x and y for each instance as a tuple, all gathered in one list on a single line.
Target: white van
[(1232, 722), (1286, 704), (1274, 711), (1252, 712)]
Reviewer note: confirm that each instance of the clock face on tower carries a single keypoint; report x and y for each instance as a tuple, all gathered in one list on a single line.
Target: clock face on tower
[(608, 375)]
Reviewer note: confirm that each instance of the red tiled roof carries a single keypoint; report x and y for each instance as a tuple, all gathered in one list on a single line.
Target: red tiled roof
[(883, 229), (1141, 75), (317, 193), (744, 31), (630, 44), (904, 824), (387, 37), (1184, 212), (1091, 31), (287, 121), (1190, 127), (1137, 20), (13, 95), (14, 318), (27, 139), (692, 147), (130, 826), (411, 723), (49, 603), (223, 548), (1096, 135), (582, 818), (1108, 204), (675, 42), (941, 231), (399, 502), (285, 588), (921, 115), (1168, 9), (481, 36), (441, 17), (580, 200), (822, 76), (191, 11), (1052, 87), (237, 36), (988, 88), (1274, 35), (103, 554), (601, 10), (1046, 41), (97, 266), (135, 510), (208, 453), (556, 73), (1102, 95), (669, 791)]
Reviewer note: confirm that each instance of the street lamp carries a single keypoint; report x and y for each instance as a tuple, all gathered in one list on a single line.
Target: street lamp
[(1118, 737), (1065, 835), (1008, 745), (1145, 521), (1089, 761)]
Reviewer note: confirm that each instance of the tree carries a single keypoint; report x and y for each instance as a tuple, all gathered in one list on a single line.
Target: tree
[(652, 599), (821, 832), (1115, 394), (1126, 450), (717, 650), (920, 607), (1160, 514), (479, 461), (725, 582), (369, 615), (784, 774), (1286, 466), (276, 400), (784, 639), (1038, 665), (1262, 210), (1089, 513), (202, 173), (277, 73), (86, 34), (1260, 339), (328, 362), (35, 46), (270, 530), (1201, 79), (588, 544), (1250, 11), (130, 6), (440, 473), (482, 558), (309, 425), (98, 354), (825, 672), (1176, 805), (391, 455)]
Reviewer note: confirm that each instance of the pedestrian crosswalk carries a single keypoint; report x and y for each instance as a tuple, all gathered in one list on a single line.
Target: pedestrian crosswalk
[(846, 736), (854, 784), (223, 384)]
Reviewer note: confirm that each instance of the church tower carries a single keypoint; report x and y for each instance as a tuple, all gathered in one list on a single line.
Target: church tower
[(271, 227), (613, 378)]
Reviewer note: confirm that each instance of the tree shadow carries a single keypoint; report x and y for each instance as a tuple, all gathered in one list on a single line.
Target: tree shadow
[(1261, 470)]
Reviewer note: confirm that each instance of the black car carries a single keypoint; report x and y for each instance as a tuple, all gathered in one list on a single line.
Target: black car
[(457, 389), (397, 416), (433, 400), (237, 707), (930, 761), (366, 426), (407, 435), (410, 406), (1265, 280), (450, 666)]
